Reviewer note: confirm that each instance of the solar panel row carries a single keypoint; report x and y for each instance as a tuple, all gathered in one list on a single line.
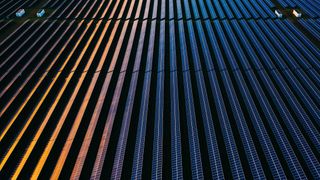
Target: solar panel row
[(149, 9)]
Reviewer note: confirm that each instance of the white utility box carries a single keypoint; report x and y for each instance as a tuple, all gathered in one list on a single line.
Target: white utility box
[(297, 13), (41, 13), (278, 13), (20, 12)]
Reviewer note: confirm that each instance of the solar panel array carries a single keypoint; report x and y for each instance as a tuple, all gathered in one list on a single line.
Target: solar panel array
[(311, 8), (160, 89)]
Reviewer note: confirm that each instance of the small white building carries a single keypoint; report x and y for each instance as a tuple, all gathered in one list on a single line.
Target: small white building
[(278, 13), (41, 13), (296, 13), (20, 12)]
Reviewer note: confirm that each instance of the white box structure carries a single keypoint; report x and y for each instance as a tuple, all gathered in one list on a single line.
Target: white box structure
[(20, 12), (296, 13), (41, 13), (278, 13)]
